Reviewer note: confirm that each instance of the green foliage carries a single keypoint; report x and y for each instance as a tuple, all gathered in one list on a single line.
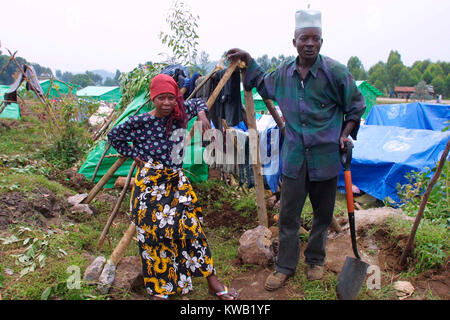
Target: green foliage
[(437, 209), (431, 242), (182, 39), (69, 138), (137, 80), (356, 68)]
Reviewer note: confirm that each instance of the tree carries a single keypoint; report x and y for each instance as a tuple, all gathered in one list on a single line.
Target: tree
[(415, 76), (82, 79), (58, 74), (378, 76), (183, 37), (394, 66), (447, 86), (264, 62), (356, 68), (438, 84), (422, 91)]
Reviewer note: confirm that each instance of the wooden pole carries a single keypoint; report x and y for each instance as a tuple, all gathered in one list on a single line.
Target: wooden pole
[(219, 66), (104, 179), (259, 181), (123, 244), (117, 206), (212, 98), (423, 203)]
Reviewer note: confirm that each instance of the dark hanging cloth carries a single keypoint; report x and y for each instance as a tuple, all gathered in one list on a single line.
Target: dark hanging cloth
[(228, 104)]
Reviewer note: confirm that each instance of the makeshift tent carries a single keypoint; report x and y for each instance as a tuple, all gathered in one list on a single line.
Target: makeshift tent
[(11, 110), (97, 93), (414, 115), (383, 155), (370, 94), (195, 172), (54, 88)]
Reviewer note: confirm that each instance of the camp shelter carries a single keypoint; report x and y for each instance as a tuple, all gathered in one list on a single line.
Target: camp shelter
[(370, 94), (54, 88), (195, 172), (97, 93), (12, 110)]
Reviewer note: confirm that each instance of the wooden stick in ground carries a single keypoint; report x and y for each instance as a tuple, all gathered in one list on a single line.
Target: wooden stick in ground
[(259, 182), (123, 244), (104, 179), (423, 203), (117, 206), (104, 126)]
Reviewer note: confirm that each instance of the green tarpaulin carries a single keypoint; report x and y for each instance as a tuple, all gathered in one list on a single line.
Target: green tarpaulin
[(12, 110), (370, 94), (54, 88), (111, 94), (195, 172)]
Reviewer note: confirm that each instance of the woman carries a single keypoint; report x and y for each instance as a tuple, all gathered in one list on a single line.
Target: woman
[(164, 208)]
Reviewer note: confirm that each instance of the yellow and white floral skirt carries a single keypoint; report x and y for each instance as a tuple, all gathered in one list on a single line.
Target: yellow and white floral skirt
[(172, 243)]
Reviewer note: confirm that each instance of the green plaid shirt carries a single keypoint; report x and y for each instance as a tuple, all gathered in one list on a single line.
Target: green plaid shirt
[(315, 111)]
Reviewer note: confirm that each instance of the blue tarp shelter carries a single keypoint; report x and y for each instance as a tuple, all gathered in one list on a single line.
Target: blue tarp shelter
[(397, 139), (414, 115)]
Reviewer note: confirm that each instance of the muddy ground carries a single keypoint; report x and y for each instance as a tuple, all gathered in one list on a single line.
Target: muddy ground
[(41, 207)]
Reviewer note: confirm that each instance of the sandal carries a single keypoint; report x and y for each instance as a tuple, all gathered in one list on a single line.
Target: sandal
[(160, 297), (231, 294)]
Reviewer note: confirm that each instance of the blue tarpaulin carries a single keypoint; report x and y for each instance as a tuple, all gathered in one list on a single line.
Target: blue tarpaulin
[(383, 155), (414, 115)]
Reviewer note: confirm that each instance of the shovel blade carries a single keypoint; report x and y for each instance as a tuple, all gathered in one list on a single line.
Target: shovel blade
[(351, 278)]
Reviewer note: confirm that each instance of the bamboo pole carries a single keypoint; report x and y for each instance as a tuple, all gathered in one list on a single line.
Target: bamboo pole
[(117, 206), (259, 182), (423, 203)]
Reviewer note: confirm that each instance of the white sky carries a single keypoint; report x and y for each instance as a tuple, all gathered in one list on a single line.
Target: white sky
[(85, 35)]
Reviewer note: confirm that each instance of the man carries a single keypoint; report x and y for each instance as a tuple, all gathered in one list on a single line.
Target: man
[(322, 106)]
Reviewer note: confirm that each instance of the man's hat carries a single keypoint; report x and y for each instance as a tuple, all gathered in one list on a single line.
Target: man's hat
[(308, 19)]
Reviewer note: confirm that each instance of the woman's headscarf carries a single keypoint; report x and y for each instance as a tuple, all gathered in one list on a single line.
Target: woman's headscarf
[(163, 83)]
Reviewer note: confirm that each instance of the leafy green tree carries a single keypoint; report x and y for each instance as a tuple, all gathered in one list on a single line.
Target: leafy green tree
[(183, 36), (394, 66), (415, 76), (447, 85), (356, 68), (438, 84), (427, 76), (378, 76), (83, 80)]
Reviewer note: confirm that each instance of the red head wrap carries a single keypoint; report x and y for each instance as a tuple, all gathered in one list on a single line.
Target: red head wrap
[(163, 83)]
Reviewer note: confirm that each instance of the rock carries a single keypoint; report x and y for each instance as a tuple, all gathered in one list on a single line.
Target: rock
[(255, 246), (120, 183), (404, 289), (106, 278), (76, 199), (376, 216), (129, 274), (83, 208), (94, 270)]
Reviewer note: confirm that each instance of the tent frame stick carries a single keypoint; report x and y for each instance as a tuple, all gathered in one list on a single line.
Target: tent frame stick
[(117, 206)]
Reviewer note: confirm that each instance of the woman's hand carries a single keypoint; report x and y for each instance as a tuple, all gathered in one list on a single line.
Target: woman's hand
[(206, 125)]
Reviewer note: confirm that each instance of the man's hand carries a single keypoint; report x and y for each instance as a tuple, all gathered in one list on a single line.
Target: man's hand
[(235, 54), (345, 133)]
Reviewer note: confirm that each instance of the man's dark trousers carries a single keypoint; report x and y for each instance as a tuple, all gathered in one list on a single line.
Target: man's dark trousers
[(293, 195)]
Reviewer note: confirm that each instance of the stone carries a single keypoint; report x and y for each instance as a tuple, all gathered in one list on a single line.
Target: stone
[(404, 289), (94, 270), (106, 278), (83, 208), (76, 199), (255, 246), (129, 274)]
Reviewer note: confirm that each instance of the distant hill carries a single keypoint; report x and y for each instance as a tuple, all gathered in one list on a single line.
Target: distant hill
[(104, 74)]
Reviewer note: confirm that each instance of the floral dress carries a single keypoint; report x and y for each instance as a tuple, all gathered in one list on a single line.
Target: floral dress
[(164, 208)]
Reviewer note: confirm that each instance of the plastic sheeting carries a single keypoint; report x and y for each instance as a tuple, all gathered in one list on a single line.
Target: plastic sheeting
[(383, 155), (414, 115)]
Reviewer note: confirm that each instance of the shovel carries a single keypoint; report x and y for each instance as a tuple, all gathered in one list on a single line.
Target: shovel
[(353, 273)]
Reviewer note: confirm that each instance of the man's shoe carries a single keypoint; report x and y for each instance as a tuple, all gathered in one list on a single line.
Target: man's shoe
[(275, 281), (314, 272)]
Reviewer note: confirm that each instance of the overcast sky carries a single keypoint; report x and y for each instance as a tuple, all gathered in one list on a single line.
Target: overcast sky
[(116, 34)]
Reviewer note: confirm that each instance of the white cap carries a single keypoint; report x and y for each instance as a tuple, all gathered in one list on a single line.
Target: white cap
[(308, 19)]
